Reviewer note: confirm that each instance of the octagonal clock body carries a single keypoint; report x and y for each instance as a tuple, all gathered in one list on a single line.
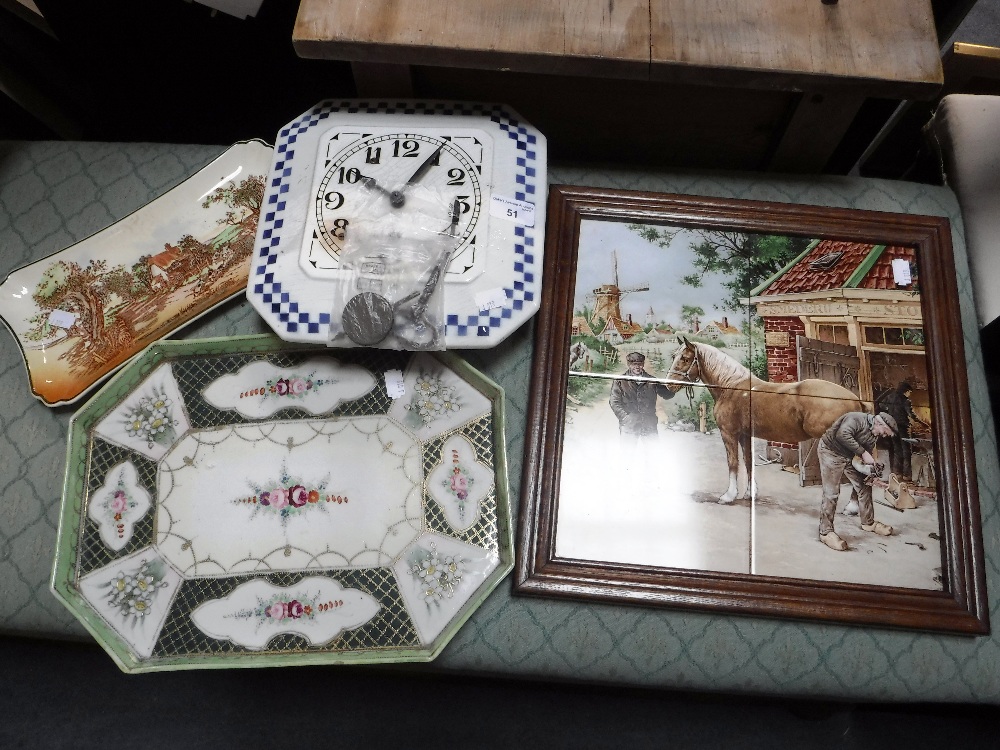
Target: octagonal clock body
[(477, 171)]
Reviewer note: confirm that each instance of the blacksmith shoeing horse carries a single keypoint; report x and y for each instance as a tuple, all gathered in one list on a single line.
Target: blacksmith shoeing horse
[(748, 407)]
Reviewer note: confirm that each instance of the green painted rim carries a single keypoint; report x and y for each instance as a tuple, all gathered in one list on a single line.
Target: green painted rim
[(74, 492)]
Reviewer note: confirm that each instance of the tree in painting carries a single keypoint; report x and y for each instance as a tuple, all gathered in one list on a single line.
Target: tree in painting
[(744, 259), (690, 315), (243, 201), (86, 292)]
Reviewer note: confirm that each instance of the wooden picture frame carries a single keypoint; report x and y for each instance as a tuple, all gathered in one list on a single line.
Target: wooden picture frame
[(951, 600)]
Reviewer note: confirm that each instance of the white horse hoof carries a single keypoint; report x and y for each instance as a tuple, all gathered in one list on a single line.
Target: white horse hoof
[(725, 500), (851, 509)]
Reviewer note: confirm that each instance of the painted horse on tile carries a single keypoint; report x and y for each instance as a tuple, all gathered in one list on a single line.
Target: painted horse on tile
[(748, 407)]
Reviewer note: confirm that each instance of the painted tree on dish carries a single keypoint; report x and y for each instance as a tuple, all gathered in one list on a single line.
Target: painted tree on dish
[(86, 292), (244, 202)]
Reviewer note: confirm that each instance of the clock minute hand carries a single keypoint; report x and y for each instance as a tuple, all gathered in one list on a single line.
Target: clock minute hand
[(420, 171)]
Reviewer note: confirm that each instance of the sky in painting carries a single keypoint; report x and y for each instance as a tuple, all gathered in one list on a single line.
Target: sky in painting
[(642, 263)]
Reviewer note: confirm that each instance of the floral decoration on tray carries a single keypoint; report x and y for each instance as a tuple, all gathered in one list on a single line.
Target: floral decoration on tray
[(237, 499)]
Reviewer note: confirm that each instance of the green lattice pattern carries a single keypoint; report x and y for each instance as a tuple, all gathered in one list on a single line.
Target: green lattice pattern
[(195, 373), (92, 552), (484, 533), (390, 628)]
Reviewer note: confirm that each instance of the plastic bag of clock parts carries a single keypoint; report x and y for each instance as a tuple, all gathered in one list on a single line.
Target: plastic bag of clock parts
[(390, 290)]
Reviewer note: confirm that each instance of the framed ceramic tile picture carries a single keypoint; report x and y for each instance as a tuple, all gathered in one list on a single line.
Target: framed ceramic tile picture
[(753, 408)]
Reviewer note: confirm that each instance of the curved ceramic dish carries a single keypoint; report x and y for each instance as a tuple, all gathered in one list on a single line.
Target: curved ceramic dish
[(250, 502), (298, 306), (80, 313)]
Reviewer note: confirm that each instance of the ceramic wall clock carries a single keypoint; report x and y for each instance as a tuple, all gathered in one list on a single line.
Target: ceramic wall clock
[(252, 502), (79, 314), (477, 171)]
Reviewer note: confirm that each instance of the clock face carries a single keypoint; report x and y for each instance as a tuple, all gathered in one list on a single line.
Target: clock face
[(378, 174)]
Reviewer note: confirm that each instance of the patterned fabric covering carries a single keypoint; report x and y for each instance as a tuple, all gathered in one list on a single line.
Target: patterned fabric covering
[(53, 194)]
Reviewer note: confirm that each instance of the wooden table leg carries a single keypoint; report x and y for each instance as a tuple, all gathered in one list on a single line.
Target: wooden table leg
[(814, 131), (382, 79)]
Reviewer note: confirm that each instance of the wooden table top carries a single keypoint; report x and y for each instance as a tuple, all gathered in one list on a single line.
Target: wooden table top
[(877, 47)]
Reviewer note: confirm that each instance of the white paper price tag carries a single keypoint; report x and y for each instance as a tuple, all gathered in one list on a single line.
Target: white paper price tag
[(519, 212), (62, 319), (394, 384), (490, 299), (901, 271)]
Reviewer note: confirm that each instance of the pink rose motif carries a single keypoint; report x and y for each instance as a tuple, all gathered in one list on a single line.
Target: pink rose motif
[(282, 387), (279, 498), (297, 386), (459, 483), (278, 610), (298, 496), (119, 502), (295, 609)]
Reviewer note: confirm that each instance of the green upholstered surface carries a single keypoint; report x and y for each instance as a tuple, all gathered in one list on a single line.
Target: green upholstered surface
[(53, 194)]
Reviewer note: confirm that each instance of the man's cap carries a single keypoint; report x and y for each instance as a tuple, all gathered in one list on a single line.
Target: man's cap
[(635, 357), (889, 421)]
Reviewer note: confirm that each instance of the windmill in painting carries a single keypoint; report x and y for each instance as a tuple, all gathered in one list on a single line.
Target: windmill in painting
[(606, 301)]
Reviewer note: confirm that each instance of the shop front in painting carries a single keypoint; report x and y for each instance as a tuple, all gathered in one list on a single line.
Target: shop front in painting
[(838, 312)]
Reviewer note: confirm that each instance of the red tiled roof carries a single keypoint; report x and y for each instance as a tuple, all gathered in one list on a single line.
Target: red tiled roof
[(880, 276), (802, 278), (164, 259), (624, 327), (724, 328)]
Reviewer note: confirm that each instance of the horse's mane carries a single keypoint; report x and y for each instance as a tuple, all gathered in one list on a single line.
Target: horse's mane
[(718, 368)]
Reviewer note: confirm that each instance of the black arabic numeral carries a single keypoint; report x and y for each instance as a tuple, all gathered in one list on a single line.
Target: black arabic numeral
[(405, 148), (351, 175), (457, 176), (333, 200)]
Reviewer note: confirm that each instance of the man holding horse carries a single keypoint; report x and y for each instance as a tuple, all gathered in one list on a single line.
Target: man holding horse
[(633, 399), (852, 436)]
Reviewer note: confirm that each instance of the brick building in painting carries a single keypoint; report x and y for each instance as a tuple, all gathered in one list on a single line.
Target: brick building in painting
[(843, 299)]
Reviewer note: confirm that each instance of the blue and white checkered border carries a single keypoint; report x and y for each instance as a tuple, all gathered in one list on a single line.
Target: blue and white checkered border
[(294, 314)]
